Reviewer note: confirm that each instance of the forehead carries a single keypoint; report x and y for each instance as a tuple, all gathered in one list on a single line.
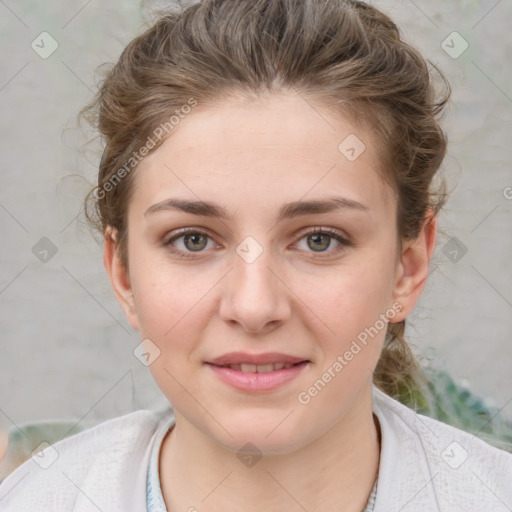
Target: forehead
[(271, 150)]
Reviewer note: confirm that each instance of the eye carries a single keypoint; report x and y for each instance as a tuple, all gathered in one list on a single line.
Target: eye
[(320, 239), (193, 241)]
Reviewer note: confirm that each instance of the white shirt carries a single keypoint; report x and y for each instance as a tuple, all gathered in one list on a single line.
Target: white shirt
[(425, 466), (154, 498)]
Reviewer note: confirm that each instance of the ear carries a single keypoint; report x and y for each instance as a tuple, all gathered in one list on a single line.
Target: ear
[(413, 266), (119, 277)]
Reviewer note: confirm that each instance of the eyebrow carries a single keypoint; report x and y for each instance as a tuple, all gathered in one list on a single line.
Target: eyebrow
[(287, 211)]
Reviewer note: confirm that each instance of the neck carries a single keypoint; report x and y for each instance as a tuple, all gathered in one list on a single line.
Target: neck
[(335, 472)]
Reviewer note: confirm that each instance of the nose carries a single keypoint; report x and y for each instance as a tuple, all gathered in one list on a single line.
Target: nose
[(255, 294)]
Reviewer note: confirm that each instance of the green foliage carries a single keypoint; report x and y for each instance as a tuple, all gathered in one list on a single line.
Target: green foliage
[(455, 404)]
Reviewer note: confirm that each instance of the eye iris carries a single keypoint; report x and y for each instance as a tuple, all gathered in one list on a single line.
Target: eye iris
[(195, 237), (317, 237)]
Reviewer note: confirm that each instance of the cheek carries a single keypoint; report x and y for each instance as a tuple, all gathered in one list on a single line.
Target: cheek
[(172, 314), (353, 307), (170, 303), (355, 294), (165, 307)]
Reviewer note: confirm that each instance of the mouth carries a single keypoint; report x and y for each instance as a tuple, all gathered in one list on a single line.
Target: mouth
[(256, 378), (259, 368)]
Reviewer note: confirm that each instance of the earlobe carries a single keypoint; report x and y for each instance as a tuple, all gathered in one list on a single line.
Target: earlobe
[(119, 277), (413, 267)]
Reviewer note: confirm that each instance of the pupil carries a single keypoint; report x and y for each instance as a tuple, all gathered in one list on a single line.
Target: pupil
[(194, 237), (317, 237)]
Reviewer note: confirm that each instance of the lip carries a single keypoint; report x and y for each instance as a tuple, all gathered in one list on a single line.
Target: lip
[(257, 382), (246, 358)]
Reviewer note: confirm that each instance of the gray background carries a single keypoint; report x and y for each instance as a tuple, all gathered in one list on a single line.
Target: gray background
[(66, 349)]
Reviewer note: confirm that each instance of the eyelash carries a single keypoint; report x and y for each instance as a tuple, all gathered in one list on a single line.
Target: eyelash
[(344, 243)]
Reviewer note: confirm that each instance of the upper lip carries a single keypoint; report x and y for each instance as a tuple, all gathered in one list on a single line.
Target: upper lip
[(245, 358)]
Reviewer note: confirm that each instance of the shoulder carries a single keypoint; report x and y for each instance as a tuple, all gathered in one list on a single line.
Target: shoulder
[(86, 468), (437, 465), (433, 433)]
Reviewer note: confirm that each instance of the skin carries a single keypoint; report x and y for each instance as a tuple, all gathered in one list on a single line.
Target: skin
[(4, 444), (295, 298)]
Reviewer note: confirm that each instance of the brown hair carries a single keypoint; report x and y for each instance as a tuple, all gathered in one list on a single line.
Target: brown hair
[(343, 53)]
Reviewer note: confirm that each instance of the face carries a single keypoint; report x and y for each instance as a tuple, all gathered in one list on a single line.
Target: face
[(295, 258)]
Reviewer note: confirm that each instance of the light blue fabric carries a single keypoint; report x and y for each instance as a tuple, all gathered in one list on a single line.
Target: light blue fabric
[(371, 500), (155, 501)]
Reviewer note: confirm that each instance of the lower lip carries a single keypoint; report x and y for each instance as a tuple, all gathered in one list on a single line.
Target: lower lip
[(257, 381)]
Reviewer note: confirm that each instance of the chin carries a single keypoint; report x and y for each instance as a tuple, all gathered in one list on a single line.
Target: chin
[(270, 437)]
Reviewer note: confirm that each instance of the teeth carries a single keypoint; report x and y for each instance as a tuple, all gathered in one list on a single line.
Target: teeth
[(259, 368)]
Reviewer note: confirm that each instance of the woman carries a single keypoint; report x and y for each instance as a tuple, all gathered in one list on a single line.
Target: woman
[(265, 197)]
